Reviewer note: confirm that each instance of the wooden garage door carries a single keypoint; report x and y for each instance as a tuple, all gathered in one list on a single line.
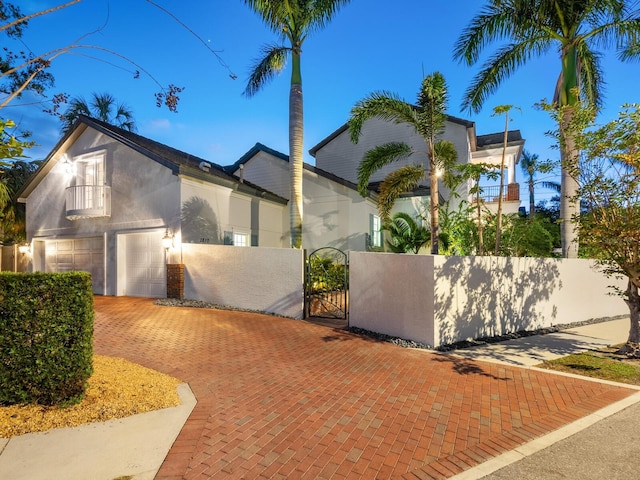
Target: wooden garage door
[(83, 254), (145, 265)]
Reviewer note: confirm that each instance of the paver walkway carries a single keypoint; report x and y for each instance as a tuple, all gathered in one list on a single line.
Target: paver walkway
[(280, 398)]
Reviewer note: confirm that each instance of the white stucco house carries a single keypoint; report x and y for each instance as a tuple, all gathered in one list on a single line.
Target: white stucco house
[(105, 198)]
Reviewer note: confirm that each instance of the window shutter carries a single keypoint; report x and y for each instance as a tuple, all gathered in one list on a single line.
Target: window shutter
[(254, 240), (228, 238)]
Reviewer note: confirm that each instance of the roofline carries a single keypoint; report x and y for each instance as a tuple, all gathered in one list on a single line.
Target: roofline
[(313, 150)]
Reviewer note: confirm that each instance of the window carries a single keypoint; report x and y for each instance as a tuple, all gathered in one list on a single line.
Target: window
[(88, 195), (375, 232), (240, 239)]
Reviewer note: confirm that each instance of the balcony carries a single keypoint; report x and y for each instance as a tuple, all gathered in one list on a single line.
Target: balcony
[(510, 193), (88, 201)]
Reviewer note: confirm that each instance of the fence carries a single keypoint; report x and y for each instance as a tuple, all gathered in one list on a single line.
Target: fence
[(438, 300), (265, 279), (11, 260)]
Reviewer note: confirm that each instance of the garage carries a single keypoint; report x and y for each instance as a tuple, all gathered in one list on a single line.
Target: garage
[(81, 254), (145, 265)]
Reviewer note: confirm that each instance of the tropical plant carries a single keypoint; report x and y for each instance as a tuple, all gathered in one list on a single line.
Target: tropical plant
[(428, 119), (293, 21), (406, 234), (102, 106), (13, 216), (535, 27), (610, 185), (531, 165)]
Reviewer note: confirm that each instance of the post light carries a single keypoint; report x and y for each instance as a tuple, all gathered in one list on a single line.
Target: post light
[(167, 240)]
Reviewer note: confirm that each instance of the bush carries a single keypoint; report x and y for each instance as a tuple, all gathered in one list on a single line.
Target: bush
[(46, 337)]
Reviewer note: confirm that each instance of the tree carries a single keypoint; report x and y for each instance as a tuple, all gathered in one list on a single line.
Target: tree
[(292, 21), (500, 109), (610, 185), (533, 28), (428, 118), (102, 106), (531, 165), (20, 71), (406, 234)]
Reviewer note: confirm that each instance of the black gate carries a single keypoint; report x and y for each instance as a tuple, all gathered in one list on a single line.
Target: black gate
[(327, 284)]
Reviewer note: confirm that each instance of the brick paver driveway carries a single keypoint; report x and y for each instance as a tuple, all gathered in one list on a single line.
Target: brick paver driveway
[(280, 398)]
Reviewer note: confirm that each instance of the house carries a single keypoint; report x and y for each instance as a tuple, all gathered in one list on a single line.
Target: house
[(337, 154), (112, 202), (105, 198), (335, 215)]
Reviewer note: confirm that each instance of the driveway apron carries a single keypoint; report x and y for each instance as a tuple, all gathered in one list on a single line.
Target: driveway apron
[(283, 398)]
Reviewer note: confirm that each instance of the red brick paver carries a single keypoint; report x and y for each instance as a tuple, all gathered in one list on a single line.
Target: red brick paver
[(280, 398)]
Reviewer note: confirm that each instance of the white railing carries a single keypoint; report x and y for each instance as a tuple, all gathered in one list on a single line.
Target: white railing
[(86, 201)]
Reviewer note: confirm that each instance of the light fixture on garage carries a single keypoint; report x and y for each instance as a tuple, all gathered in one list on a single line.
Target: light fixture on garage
[(24, 248), (167, 240)]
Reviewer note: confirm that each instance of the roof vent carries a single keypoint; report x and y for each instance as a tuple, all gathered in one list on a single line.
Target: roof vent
[(204, 166)]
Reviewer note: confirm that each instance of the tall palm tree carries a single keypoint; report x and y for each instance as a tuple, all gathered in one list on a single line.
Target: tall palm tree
[(292, 21), (102, 106), (531, 165), (428, 118), (570, 28)]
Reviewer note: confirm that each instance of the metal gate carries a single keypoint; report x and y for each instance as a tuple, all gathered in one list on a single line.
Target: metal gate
[(327, 284)]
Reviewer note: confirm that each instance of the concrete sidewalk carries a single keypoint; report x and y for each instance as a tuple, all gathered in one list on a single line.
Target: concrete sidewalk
[(282, 398)]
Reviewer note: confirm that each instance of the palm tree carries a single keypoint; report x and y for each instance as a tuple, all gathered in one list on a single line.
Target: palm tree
[(531, 165), (292, 21), (103, 106), (428, 118), (535, 27), (406, 234)]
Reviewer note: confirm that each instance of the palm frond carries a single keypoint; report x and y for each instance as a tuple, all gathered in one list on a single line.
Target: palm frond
[(432, 100), (402, 180), (499, 67), (266, 68), (385, 105), (555, 186), (378, 157), (494, 22), (321, 12)]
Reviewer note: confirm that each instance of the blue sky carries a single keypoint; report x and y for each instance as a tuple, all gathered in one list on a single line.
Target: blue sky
[(370, 45)]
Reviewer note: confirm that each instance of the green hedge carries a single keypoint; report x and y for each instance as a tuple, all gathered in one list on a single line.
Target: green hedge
[(46, 337)]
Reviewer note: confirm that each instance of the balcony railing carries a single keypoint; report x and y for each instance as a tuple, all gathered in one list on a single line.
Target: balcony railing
[(510, 193), (88, 201)]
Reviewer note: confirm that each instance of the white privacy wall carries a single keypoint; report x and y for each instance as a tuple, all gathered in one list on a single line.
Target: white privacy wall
[(264, 279), (438, 300)]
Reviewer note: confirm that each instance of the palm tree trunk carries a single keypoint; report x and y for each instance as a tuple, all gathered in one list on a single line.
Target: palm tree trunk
[(434, 206), (532, 204), (569, 200), (296, 126), (504, 152)]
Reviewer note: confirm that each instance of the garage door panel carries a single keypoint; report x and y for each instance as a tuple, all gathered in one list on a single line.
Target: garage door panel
[(145, 265), (78, 254)]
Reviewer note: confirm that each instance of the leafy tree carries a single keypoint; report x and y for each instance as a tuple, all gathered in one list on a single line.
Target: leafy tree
[(20, 71), (102, 106), (570, 28), (292, 21), (406, 234), (11, 148), (428, 118), (610, 185)]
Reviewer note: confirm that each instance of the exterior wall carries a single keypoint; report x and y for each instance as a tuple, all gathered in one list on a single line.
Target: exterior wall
[(447, 299), (341, 157), (263, 279), (269, 172), (334, 215), (225, 210)]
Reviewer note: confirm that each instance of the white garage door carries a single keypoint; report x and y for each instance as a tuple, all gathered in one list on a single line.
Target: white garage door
[(145, 265), (84, 254)]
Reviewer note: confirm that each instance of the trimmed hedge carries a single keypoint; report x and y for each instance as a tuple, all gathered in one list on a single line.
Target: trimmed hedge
[(46, 337)]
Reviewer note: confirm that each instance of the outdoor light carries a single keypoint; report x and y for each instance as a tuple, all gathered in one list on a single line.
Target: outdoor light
[(24, 248), (167, 240)]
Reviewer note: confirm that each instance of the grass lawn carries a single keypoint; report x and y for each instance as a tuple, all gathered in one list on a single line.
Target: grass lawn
[(604, 364)]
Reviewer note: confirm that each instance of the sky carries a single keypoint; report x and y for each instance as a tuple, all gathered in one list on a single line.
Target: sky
[(370, 45)]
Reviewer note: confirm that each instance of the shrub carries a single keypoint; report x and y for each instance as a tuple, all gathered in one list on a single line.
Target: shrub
[(46, 337)]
